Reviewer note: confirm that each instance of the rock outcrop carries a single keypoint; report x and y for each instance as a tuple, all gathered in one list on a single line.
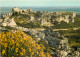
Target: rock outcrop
[(9, 22), (57, 41)]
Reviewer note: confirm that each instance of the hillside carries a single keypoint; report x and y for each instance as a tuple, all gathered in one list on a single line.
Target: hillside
[(26, 33)]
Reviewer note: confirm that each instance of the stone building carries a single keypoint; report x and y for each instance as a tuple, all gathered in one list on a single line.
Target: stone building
[(16, 9)]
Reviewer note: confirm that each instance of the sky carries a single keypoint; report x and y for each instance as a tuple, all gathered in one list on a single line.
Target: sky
[(39, 3)]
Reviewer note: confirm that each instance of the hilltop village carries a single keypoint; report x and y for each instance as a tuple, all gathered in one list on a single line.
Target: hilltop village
[(38, 17), (57, 43)]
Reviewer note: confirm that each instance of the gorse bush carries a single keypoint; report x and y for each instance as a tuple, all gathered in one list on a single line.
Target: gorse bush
[(18, 44)]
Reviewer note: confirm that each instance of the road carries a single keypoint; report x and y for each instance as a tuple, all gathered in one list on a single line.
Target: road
[(41, 29)]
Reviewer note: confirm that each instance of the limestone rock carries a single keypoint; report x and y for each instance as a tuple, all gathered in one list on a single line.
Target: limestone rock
[(4, 24), (12, 23), (63, 53), (9, 22)]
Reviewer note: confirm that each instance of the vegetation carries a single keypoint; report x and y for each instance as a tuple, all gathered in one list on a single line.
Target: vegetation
[(30, 25), (12, 45), (37, 15), (10, 28), (73, 37), (24, 20)]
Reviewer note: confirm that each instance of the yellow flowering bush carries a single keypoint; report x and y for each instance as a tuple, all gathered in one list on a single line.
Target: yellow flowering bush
[(18, 44)]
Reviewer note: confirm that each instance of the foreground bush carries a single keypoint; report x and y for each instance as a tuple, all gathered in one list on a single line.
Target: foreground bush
[(18, 44)]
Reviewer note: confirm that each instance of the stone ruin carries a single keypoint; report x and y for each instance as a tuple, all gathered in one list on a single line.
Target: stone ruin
[(23, 11), (45, 18), (64, 16), (48, 17)]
